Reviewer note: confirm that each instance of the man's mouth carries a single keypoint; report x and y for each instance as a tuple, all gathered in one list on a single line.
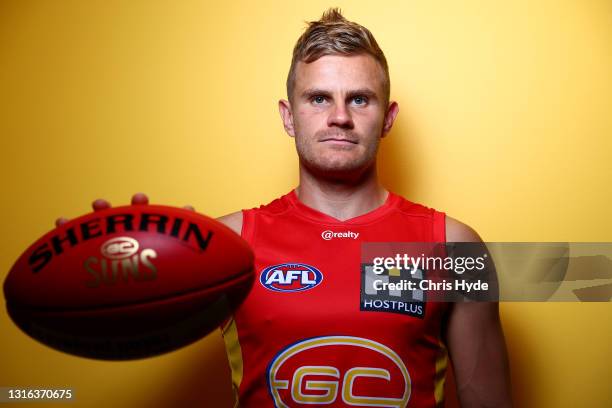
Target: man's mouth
[(338, 140)]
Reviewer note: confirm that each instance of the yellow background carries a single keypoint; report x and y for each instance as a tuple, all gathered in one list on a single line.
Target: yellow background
[(505, 123)]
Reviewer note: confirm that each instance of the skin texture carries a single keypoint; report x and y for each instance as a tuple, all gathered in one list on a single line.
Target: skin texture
[(337, 116)]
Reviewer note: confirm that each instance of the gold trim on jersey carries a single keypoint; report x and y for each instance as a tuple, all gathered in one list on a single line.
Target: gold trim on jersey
[(234, 356), (440, 374)]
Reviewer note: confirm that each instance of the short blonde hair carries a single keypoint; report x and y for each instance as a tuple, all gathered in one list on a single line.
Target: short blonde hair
[(335, 35)]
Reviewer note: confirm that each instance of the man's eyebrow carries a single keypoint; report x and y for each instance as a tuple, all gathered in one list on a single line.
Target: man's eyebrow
[(311, 92), (362, 92)]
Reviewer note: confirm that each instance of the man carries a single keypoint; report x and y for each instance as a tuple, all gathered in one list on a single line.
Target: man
[(338, 110), (311, 343)]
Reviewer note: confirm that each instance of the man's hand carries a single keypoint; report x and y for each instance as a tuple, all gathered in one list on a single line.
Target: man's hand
[(102, 204)]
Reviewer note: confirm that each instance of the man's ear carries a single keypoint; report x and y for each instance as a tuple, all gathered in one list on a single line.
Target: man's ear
[(284, 108), (390, 115)]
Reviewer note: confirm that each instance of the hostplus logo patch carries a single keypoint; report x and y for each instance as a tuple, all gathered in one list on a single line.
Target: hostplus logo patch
[(376, 297)]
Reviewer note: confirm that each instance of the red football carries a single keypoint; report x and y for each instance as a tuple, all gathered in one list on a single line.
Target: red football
[(129, 282)]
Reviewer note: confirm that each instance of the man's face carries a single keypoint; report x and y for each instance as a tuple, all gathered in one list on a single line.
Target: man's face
[(338, 113)]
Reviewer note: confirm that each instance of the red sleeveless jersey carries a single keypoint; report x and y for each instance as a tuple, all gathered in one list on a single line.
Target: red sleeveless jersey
[(304, 336)]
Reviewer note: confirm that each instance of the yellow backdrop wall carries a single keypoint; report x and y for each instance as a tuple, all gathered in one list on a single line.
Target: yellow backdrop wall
[(505, 124)]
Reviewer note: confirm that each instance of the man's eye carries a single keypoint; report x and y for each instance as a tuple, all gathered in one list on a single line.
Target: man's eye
[(360, 100), (318, 99)]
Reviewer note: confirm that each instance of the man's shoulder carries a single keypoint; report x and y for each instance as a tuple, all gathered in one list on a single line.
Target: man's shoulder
[(457, 231), (409, 207), (233, 221)]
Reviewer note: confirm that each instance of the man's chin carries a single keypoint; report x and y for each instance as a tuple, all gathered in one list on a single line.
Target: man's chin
[(338, 170)]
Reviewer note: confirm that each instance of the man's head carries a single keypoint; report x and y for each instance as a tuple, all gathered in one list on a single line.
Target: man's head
[(338, 91), (335, 35)]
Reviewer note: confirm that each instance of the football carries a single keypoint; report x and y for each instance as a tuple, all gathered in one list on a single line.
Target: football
[(129, 282)]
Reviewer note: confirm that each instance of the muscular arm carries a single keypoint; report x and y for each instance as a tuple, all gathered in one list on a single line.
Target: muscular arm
[(476, 343)]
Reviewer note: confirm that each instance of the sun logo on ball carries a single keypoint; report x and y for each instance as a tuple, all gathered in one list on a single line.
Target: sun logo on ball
[(120, 261)]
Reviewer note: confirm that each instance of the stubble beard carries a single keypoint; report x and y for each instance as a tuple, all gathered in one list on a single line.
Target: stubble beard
[(335, 162)]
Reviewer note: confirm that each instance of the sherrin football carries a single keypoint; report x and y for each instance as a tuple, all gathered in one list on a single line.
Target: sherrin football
[(129, 282)]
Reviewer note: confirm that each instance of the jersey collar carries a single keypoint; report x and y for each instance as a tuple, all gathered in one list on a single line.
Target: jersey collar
[(302, 209)]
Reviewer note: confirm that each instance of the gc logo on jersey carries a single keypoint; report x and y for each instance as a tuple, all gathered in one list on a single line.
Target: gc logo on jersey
[(290, 277), (338, 371)]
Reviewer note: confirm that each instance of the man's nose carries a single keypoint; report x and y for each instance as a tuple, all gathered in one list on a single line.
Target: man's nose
[(340, 116)]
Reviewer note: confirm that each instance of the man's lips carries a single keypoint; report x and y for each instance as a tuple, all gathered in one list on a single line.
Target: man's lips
[(338, 140)]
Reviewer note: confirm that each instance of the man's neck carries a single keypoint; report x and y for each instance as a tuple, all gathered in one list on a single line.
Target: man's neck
[(341, 199)]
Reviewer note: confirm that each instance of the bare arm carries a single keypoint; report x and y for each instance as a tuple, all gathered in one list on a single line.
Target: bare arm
[(476, 343), (233, 220)]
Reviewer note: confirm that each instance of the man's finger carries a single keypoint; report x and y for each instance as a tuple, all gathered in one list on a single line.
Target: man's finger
[(140, 198), (100, 204), (61, 221), (189, 207)]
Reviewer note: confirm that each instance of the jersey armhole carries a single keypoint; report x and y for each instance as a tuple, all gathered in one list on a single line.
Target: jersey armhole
[(248, 225), (439, 226), (246, 232), (439, 236)]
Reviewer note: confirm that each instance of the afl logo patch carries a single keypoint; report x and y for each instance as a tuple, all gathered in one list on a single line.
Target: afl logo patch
[(290, 277)]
